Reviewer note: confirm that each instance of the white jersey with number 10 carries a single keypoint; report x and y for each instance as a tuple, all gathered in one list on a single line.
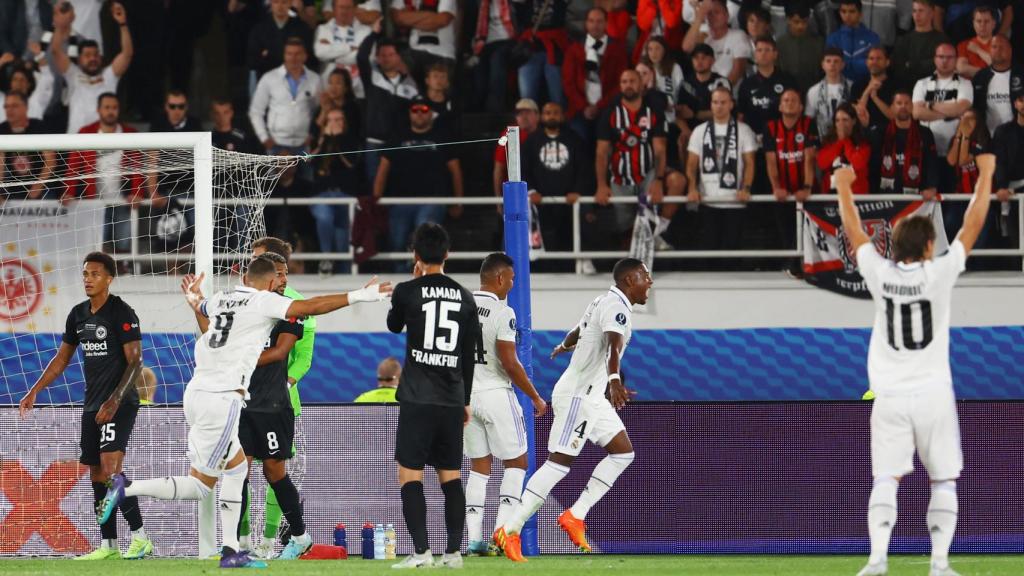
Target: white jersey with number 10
[(587, 374), (910, 340), (497, 322), (240, 323)]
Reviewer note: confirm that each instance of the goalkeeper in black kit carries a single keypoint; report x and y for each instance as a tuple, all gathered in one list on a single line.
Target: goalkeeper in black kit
[(440, 352)]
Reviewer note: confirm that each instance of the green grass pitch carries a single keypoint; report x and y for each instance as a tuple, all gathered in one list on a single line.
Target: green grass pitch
[(598, 565)]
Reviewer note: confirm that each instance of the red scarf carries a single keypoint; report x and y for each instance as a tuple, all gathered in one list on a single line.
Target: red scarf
[(482, 21), (912, 160)]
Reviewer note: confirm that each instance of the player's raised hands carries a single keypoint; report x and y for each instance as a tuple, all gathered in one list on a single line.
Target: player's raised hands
[(191, 285)]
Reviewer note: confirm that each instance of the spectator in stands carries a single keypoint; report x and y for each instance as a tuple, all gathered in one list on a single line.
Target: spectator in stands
[(555, 162), (423, 171), (992, 86), (790, 144), (388, 92), (590, 75), (872, 96), (369, 11), (732, 47), (14, 29), (290, 221), (845, 145), (338, 94), (176, 117), (495, 35), (92, 174), (883, 18), (853, 39), (437, 93), (939, 100), (23, 166), (975, 54), (720, 169), (432, 36), (550, 42), (732, 7), (971, 139), (23, 80), (903, 159), (337, 44), (914, 54), (527, 118), (757, 23), (389, 374), (657, 18), (800, 51), (668, 76), (620, 19), (227, 135), (694, 95), (759, 94), (335, 175), (824, 98), (88, 79), (675, 159), (268, 38), (282, 106), (1008, 146)]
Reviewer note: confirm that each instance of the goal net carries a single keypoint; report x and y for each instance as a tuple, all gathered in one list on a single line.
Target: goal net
[(162, 205)]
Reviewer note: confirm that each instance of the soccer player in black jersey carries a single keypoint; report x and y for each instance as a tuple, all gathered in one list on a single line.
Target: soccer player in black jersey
[(440, 353), (266, 428), (107, 330)]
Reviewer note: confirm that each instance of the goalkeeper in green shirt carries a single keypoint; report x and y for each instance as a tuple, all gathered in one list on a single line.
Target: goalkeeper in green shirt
[(299, 362)]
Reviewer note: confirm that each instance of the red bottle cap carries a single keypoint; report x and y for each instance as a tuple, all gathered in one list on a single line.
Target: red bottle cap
[(340, 525)]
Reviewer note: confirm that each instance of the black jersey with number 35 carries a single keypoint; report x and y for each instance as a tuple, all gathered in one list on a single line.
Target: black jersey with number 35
[(102, 336), (443, 334), (268, 386)]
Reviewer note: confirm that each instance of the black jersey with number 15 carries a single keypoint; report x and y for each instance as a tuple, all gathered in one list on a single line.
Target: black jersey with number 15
[(440, 349)]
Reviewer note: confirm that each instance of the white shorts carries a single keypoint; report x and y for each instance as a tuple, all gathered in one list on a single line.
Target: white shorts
[(212, 429), (582, 418), (496, 426), (926, 421)]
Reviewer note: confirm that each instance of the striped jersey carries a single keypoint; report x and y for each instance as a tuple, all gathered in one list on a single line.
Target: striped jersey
[(631, 133), (790, 146)]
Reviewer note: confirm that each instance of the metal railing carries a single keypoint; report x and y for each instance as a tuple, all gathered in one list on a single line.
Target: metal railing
[(577, 254)]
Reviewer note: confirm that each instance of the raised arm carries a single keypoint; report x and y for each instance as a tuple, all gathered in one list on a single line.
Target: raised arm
[(61, 31), (191, 287), (124, 58), (977, 211), (55, 368), (133, 354), (373, 292), (506, 352), (843, 179)]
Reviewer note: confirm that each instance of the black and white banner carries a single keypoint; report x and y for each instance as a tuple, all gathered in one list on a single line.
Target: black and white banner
[(829, 261)]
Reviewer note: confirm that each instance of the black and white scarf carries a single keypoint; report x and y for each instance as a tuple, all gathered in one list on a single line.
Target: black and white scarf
[(594, 51), (729, 173)]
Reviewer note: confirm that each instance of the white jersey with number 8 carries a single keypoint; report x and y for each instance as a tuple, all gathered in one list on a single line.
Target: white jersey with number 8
[(909, 348)]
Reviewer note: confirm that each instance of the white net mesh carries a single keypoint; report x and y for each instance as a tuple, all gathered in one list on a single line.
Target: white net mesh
[(140, 206)]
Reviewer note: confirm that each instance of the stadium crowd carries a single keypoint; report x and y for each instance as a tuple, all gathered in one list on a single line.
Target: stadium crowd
[(714, 100)]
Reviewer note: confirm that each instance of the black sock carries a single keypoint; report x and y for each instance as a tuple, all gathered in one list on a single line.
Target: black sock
[(414, 508), (454, 513), (131, 512), (288, 499), (109, 528), (245, 504)]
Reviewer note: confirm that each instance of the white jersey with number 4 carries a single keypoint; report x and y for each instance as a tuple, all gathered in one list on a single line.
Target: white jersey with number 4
[(240, 323), (587, 374), (497, 322), (910, 340)]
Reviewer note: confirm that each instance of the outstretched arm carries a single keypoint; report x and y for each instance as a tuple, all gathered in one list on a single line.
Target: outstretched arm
[(372, 292), (843, 178), (54, 369), (133, 354), (977, 211)]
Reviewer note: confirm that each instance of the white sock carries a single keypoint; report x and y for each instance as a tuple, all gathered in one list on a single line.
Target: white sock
[(605, 474), (244, 542), (476, 497), (941, 518), (231, 504), (881, 517), (510, 494), (537, 490), (110, 544), (140, 533), (208, 526), (169, 488)]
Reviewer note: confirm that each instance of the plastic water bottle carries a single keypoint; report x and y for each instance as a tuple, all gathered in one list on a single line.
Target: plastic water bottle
[(378, 542), (339, 535), (389, 542), (367, 541)]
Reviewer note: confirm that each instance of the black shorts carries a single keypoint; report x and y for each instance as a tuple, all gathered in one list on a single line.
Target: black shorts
[(111, 437), (429, 435), (266, 435)]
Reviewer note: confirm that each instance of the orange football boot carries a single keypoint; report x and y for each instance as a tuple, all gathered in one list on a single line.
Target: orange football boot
[(576, 529)]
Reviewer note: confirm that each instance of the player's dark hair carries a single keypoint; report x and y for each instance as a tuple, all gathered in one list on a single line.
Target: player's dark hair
[(274, 257), (494, 263), (260, 267), (430, 242), (275, 245), (910, 238), (624, 268), (102, 258)]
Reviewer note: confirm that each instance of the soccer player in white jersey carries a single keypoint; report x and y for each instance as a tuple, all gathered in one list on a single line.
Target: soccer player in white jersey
[(495, 428), (908, 365), (235, 325), (585, 400)]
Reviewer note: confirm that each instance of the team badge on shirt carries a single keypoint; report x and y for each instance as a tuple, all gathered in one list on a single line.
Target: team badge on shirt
[(709, 164), (779, 88), (799, 138), (101, 332), (728, 179), (620, 318)]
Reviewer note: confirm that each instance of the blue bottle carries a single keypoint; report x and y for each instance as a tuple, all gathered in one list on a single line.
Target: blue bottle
[(378, 542), (367, 541), (339, 536)]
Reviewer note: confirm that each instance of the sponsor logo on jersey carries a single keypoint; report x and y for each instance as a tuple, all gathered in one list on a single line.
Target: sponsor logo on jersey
[(128, 327), (95, 348)]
